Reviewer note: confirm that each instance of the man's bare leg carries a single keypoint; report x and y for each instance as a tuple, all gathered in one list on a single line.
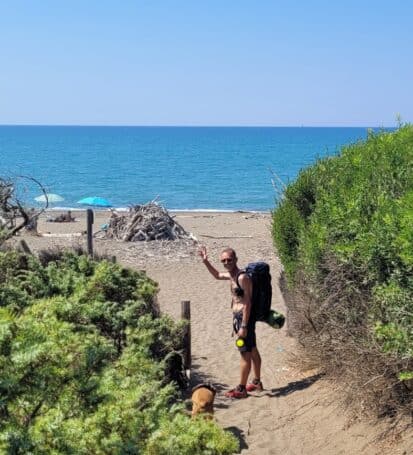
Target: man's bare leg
[(256, 363), (245, 367)]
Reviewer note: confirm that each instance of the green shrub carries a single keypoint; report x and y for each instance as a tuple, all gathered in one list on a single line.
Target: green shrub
[(84, 361), (203, 437), (343, 231)]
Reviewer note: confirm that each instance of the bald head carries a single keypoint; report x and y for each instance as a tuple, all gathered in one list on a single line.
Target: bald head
[(229, 259), (229, 251)]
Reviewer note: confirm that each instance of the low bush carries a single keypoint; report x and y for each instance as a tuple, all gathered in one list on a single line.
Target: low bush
[(343, 231), (85, 363)]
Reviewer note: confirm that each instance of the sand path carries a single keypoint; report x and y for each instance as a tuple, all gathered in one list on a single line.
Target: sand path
[(297, 413)]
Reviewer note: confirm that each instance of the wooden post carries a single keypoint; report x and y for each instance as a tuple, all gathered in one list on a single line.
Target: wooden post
[(89, 220), (24, 247), (186, 315)]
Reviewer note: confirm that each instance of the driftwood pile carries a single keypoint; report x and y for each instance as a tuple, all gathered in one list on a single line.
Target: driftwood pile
[(145, 222)]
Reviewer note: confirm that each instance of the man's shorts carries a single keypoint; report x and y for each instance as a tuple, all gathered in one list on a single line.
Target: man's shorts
[(250, 340)]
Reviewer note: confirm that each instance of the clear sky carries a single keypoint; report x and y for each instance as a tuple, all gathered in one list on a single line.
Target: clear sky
[(212, 62)]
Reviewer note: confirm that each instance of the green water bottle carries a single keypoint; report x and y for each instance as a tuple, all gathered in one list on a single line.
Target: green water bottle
[(275, 319)]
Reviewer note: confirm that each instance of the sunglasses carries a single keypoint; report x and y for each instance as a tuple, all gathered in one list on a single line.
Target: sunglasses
[(227, 260)]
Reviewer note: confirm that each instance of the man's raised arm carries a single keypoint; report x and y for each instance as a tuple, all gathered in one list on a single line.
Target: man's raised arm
[(212, 270)]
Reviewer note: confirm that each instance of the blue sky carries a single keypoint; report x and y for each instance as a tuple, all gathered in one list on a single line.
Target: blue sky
[(310, 63)]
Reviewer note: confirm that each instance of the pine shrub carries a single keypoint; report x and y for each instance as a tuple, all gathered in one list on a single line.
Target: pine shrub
[(84, 361)]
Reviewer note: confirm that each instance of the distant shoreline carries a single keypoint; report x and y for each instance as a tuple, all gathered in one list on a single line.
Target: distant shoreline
[(125, 209)]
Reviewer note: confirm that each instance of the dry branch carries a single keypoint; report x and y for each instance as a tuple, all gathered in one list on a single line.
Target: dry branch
[(145, 222), (14, 216), (227, 236)]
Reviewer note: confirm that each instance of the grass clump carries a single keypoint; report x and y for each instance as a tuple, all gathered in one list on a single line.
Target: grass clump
[(344, 233)]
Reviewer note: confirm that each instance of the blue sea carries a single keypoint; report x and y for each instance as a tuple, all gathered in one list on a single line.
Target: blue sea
[(186, 168)]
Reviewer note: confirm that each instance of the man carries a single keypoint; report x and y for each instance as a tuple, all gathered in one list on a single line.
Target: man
[(243, 319)]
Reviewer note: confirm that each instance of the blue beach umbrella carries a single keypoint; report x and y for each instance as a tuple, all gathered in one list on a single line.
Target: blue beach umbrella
[(95, 201)]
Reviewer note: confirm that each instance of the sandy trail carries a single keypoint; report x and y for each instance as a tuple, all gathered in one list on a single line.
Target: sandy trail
[(297, 413)]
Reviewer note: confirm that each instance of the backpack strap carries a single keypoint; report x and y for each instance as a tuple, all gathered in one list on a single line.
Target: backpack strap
[(237, 280), (238, 275)]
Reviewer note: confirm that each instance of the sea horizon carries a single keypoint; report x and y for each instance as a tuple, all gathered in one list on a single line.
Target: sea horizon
[(100, 125)]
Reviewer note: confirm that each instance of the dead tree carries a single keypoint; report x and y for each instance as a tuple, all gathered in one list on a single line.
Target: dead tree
[(14, 216)]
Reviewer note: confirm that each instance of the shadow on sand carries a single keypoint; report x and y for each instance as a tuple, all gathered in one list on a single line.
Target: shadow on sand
[(239, 434), (293, 387)]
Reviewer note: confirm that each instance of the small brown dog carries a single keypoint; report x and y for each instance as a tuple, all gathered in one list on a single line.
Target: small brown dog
[(203, 400)]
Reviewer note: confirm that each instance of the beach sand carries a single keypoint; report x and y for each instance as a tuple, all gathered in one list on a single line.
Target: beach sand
[(298, 412)]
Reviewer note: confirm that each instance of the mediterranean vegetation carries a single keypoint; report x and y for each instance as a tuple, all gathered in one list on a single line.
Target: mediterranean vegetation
[(89, 365), (344, 233)]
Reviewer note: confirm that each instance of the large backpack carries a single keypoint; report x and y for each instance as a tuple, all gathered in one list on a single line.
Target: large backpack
[(259, 272)]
